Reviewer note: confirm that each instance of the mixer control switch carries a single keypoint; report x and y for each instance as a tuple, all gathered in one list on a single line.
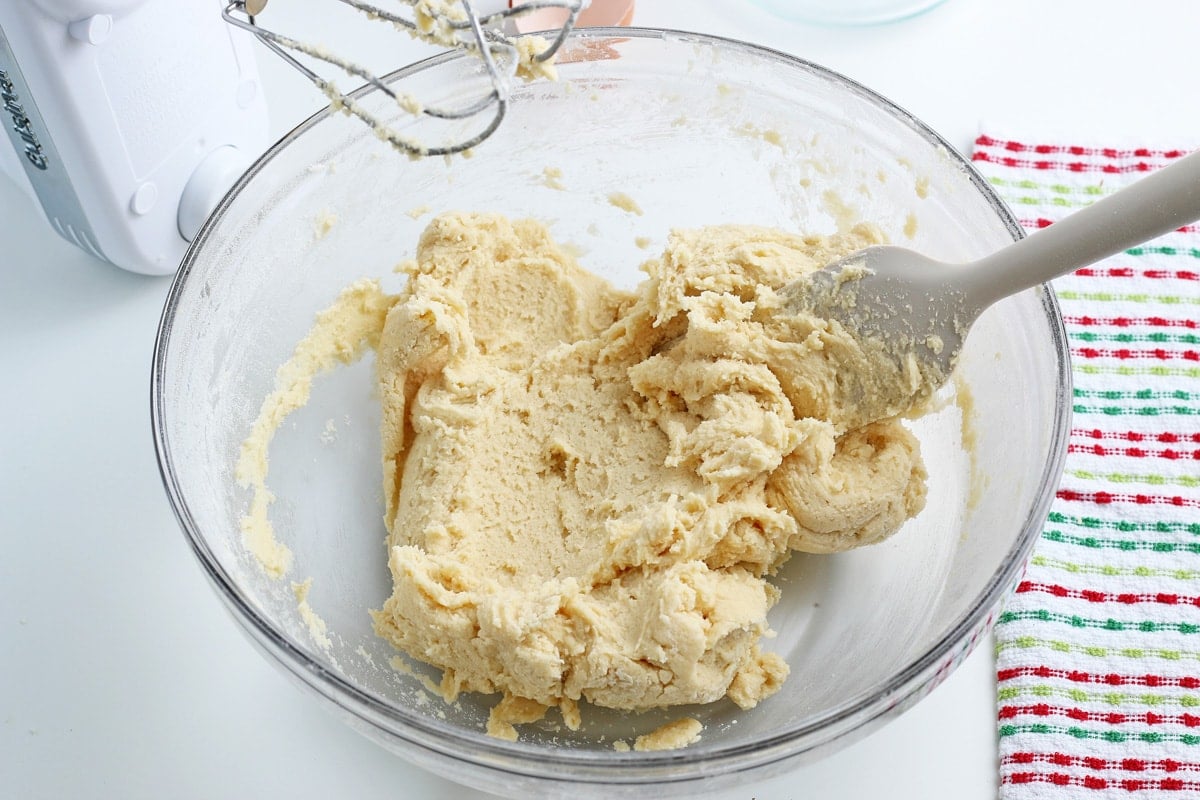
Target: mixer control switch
[(92, 30)]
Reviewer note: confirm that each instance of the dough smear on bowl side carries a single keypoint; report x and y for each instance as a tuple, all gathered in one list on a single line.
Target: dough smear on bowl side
[(587, 488)]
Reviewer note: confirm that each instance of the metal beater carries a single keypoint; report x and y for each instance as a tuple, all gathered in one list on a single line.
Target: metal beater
[(487, 33)]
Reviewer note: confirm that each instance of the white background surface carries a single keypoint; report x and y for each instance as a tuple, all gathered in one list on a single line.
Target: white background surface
[(120, 676)]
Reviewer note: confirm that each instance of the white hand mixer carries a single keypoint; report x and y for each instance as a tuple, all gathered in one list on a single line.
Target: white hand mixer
[(128, 138)]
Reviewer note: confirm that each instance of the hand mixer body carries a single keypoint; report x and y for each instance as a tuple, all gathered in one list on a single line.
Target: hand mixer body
[(126, 120)]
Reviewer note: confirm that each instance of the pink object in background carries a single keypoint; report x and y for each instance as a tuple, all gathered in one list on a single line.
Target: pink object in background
[(599, 13)]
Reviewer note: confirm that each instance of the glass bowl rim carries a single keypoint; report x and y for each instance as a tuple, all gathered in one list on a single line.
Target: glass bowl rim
[(530, 760)]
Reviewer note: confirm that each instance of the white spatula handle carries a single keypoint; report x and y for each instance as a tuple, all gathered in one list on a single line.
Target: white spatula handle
[(1161, 202)]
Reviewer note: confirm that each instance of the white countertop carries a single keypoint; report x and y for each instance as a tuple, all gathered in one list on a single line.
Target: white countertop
[(122, 677)]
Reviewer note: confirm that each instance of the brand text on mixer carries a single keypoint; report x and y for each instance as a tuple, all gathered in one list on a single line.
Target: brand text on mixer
[(21, 123)]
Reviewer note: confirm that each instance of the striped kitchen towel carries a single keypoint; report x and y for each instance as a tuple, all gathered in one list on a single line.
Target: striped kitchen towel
[(1098, 651)]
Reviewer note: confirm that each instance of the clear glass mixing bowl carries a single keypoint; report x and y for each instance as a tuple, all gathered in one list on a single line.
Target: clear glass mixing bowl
[(695, 130)]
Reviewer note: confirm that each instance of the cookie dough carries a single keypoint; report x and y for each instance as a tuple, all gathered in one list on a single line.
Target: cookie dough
[(671, 736), (588, 488)]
